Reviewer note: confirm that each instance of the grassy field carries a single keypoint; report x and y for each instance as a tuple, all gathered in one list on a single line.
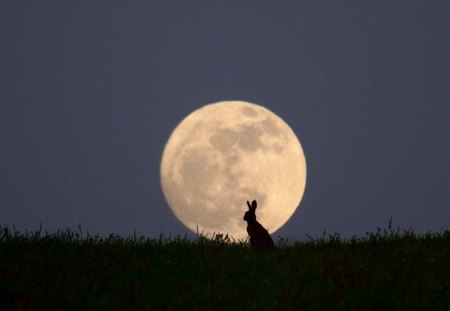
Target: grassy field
[(384, 270)]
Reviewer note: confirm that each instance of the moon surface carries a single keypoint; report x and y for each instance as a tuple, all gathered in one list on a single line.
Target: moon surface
[(224, 154)]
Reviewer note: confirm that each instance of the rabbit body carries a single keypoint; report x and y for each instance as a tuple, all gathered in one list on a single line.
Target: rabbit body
[(259, 236)]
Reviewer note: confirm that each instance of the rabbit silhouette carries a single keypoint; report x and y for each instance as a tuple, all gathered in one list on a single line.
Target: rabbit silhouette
[(259, 236)]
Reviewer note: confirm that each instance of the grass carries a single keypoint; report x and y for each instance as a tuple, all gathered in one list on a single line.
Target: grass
[(387, 269)]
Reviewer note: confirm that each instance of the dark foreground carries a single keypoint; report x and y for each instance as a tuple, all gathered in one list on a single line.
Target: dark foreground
[(384, 270)]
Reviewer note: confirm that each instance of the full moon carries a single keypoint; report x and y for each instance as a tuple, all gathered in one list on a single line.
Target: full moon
[(224, 154)]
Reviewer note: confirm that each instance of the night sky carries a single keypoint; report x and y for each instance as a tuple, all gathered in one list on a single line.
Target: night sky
[(90, 91)]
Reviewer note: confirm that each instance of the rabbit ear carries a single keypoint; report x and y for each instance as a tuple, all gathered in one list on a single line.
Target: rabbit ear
[(254, 204), (249, 206)]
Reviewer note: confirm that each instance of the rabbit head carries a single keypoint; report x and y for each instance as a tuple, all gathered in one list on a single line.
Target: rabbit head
[(250, 215)]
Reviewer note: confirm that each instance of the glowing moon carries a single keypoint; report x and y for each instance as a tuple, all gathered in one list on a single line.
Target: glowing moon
[(224, 154)]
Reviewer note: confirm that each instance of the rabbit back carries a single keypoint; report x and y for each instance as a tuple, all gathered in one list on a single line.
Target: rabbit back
[(259, 237)]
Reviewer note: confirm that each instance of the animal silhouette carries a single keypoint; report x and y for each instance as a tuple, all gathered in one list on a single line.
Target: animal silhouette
[(259, 236)]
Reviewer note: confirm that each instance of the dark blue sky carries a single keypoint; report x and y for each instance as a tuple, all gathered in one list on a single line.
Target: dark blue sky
[(90, 92)]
